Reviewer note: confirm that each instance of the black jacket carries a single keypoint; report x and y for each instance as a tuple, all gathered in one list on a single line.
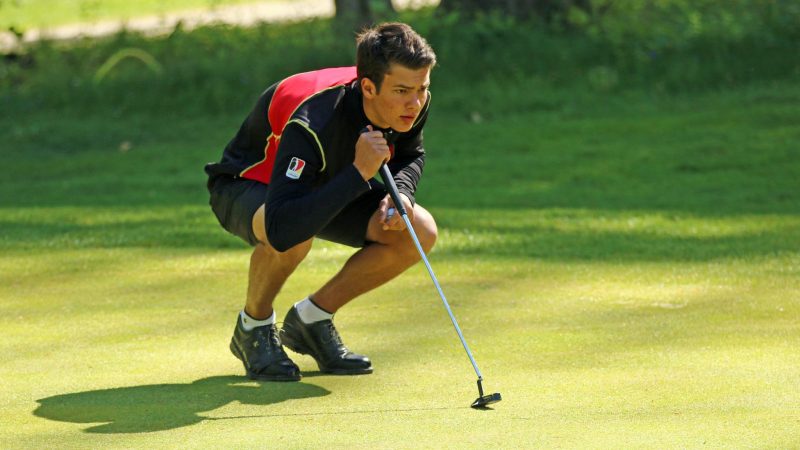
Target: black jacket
[(313, 177)]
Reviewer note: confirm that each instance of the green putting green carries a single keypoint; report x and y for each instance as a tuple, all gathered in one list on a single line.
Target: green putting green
[(604, 323)]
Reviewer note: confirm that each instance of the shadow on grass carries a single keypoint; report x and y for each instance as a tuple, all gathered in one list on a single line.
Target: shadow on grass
[(468, 237), (558, 245), (158, 407)]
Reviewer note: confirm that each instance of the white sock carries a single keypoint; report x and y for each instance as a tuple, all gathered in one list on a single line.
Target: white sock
[(248, 323), (310, 313)]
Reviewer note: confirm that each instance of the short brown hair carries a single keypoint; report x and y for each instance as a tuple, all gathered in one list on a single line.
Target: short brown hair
[(387, 43)]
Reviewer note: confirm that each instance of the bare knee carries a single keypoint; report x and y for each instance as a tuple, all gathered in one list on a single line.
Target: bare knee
[(425, 227), (284, 262), (404, 249), (426, 232), (288, 259), (296, 254)]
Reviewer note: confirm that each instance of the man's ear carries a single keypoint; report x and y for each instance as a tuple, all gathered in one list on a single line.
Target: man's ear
[(368, 88)]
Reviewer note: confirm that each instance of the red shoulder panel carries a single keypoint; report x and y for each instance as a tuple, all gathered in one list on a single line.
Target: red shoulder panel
[(288, 96)]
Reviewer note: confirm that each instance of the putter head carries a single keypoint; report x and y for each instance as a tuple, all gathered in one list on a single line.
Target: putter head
[(485, 400)]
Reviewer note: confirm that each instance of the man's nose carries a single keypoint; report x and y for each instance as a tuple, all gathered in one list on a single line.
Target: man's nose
[(415, 103)]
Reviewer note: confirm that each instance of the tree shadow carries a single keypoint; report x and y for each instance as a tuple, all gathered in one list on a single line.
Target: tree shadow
[(158, 407), (640, 246)]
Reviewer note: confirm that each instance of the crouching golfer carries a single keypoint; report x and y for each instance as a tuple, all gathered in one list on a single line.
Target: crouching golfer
[(301, 166)]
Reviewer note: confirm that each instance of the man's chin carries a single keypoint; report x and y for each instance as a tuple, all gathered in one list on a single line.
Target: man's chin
[(402, 127)]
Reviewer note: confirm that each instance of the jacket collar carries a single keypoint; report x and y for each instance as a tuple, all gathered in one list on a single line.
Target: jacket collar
[(354, 104)]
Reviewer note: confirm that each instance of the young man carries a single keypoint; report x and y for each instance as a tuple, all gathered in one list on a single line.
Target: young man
[(302, 166)]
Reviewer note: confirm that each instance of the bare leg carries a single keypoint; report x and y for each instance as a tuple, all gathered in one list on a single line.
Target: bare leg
[(269, 270), (390, 255)]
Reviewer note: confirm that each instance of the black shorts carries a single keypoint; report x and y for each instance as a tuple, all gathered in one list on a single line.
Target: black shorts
[(235, 201)]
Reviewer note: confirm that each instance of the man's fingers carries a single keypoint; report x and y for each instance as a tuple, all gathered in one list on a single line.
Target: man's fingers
[(410, 212), (390, 217), (382, 209), (373, 136), (397, 223), (371, 151)]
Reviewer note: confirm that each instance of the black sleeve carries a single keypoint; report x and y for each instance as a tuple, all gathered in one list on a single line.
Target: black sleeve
[(298, 208), (409, 158)]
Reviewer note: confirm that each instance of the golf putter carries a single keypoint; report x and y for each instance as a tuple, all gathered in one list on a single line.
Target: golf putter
[(483, 400)]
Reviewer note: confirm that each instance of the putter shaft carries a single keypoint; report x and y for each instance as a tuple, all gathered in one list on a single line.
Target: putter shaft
[(398, 203)]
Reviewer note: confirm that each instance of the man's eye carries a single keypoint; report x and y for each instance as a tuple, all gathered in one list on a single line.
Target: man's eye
[(400, 91)]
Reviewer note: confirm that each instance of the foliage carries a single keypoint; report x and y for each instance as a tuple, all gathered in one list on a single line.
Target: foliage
[(213, 68), (547, 10), (669, 45), (356, 14)]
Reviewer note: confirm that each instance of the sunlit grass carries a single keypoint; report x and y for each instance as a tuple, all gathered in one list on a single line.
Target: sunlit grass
[(29, 14), (586, 353)]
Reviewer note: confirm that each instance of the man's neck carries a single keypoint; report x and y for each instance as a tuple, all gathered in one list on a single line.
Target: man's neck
[(372, 116)]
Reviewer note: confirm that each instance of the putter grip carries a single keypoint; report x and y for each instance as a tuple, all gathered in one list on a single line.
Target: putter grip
[(388, 180)]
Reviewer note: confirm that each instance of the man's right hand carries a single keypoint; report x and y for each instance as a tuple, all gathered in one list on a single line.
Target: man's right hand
[(372, 151)]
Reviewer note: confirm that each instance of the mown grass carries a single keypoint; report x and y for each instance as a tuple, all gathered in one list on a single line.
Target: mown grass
[(623, 262)]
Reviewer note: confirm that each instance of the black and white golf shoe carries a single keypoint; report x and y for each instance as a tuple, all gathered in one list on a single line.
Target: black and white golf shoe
[(322, 342), (262, 355)]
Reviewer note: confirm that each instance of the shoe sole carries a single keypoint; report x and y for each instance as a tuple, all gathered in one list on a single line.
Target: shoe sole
[(260, 377), (297, 347)]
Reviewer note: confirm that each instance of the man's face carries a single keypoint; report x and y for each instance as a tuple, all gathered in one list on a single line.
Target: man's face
[(403, 93)]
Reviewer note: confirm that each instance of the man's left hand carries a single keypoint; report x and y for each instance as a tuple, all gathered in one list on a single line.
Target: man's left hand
[(390, 217)]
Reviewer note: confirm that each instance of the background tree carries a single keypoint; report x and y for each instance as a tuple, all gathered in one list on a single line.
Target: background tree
[(549, 10), (356, 14)]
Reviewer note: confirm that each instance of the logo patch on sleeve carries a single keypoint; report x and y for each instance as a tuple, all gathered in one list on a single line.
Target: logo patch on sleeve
[(295, 168)]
